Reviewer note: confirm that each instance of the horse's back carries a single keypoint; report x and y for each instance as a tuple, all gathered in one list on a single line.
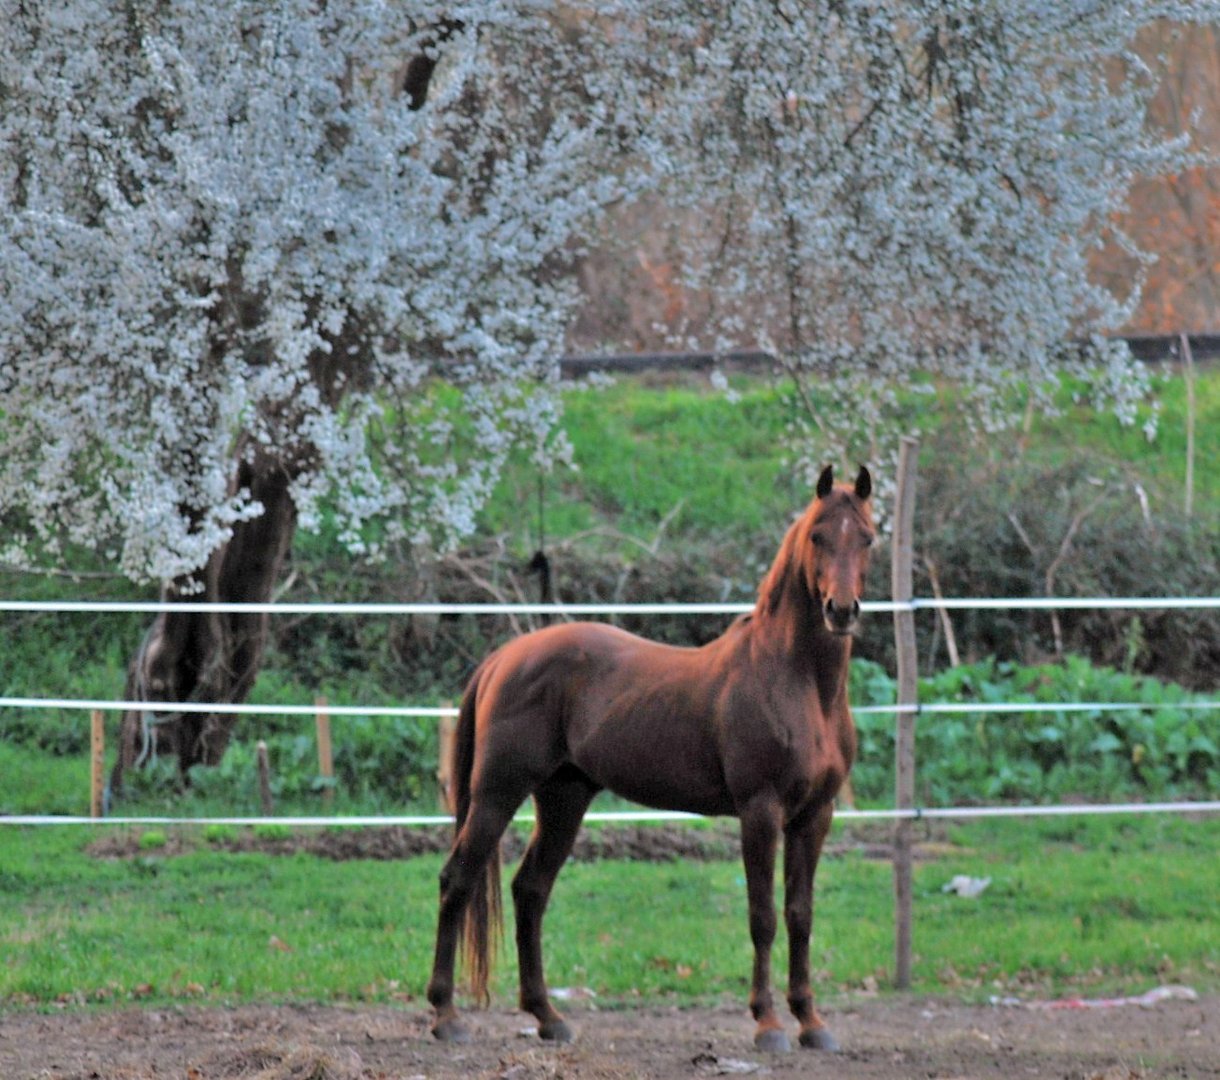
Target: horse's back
[(635, 716)]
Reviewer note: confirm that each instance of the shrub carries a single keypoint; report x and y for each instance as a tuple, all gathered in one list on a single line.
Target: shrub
[(219, 834), (1161, 750), (1026, 528)]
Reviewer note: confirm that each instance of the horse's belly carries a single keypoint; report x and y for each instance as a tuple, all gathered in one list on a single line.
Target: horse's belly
[(663, 770), (664, 794)]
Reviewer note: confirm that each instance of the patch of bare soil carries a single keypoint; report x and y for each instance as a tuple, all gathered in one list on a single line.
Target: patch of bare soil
[(882, 1040), (641, 843), (645, 844), (392, 842)]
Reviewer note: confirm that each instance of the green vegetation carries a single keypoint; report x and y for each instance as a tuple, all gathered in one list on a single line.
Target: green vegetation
[(1160, 462), (644, 450), (1162, 750), (681, 493), (645, 454), (1074, 906)]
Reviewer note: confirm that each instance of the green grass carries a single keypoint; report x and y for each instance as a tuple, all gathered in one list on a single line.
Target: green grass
[(1077, 903), (1161, 461), (645, 454), (1074, 906), (47, 785), (644, 451)]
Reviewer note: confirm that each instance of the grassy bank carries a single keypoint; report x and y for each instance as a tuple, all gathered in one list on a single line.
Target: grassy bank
[(677, 451)]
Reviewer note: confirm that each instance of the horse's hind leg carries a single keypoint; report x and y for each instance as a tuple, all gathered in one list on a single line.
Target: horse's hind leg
[(475, 844), (561, 804), (803, 839)]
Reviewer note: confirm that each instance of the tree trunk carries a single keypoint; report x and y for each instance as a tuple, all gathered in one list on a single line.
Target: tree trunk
[(207, 656), (211, 657)]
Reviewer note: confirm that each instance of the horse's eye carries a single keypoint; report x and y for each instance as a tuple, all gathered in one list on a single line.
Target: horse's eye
[(817, 540)]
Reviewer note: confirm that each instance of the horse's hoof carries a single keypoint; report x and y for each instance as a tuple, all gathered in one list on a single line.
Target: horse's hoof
[(555, 1031), (819, 1038), (451, 1030), (773, 1041)]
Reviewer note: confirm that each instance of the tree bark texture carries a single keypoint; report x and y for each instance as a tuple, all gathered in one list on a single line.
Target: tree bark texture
[(209, 656)]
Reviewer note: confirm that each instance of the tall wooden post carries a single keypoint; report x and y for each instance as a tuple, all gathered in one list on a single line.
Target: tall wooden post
[(264, 780), (326, 761), (908, 694), (1188, 371), (97, 759), (444, 766)]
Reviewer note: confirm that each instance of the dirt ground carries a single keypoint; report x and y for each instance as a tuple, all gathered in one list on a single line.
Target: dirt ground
[(640, 843), (882, 1040)]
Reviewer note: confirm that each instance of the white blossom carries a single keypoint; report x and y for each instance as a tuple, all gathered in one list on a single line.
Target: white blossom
[(226, 228), (224, 225), (903, 190)]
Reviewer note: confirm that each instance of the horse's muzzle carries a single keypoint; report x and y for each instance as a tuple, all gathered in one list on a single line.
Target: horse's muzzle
[(841, 618)]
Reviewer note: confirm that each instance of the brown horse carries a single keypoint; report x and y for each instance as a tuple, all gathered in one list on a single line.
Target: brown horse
[(754, 724)]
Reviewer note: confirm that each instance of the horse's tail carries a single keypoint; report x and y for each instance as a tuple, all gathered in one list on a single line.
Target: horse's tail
[(485, 909)]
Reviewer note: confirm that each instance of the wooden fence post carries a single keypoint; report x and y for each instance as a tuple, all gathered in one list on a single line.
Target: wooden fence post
[(264, 780), (326, 761), (444, 766), (97, 760), (908, 694), (1188, 371)]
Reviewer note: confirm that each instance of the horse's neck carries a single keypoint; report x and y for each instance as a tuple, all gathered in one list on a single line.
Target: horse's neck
[(792, 632)]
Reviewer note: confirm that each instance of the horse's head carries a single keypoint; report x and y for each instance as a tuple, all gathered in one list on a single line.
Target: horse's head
[(836, 557)]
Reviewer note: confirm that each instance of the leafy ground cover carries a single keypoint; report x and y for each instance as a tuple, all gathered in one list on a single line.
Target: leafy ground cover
[(1165, 749)]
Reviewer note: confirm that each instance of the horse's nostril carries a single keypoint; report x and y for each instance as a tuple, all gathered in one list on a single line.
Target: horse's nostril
[(840, 618)]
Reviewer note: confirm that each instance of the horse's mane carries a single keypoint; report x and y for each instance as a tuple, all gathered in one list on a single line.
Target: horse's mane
[(771, 591)]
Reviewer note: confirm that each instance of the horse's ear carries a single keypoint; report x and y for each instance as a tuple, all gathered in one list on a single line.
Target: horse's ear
[(826, 481), (864, 484)]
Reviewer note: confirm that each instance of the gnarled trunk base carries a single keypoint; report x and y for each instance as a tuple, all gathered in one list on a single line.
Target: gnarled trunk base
[(208, 656)]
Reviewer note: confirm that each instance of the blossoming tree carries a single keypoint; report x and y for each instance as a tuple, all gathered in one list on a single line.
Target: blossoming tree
[(909, 190), (244, 243), (241, 244)]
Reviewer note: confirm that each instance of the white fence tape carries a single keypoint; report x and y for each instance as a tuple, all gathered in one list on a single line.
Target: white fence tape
[(621, 816), (961, 812), (438, 711), (1033, 603), (226, 708), (151, 607), (1034, 707)]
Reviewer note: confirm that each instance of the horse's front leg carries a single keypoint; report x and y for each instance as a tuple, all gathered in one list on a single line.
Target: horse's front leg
[(803, 840), (760, 828)]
